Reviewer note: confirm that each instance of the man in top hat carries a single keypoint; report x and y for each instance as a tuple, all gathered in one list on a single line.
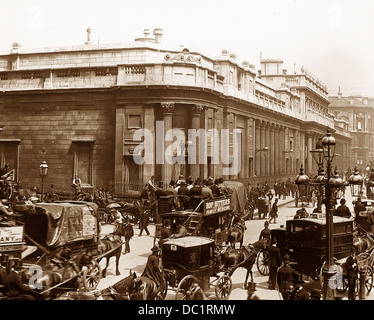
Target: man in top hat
[(275, 260), (215, 189), (183, 194), (152, 270), (286, 278), (352, 273)]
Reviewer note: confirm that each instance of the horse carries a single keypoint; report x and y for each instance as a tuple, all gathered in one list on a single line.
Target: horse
[(56, 273), (112, 245), (244, 257), (144, 289), (120, 290), (362, 241), (236, 231)]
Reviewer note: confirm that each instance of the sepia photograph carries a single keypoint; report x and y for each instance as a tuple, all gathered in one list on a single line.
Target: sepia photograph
[(195, 154)]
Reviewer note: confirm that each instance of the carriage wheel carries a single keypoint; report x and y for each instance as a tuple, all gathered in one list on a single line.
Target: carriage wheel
[(369, 280), (263, 263), (184, 288), (92, 275), (223, 287)]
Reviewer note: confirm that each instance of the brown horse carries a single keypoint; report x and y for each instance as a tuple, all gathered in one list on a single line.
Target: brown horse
[(144, 289), (244, 257), (121, 290), (55, 274), (112, 245), (236, 231)]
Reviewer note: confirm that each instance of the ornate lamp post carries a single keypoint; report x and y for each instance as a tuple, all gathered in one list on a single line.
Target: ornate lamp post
[(319, 181), (43, 172), (302, 183), (356, 182)]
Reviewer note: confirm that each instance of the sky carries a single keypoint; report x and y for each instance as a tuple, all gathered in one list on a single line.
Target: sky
[(333, 39)]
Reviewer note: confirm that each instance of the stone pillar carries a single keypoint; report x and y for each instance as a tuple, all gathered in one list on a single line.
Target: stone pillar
[(277, 158), (261, 153), (257, 147), (196, 111), (167, 110), (267, 155), (272, 150)]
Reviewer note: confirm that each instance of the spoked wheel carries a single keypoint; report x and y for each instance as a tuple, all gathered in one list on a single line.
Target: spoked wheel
[(223, 287), (263, 263), (185, 287), (92, 275), (369, 280)]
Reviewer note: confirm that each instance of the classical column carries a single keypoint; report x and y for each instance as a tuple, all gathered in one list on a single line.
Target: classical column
[(194, 167), (277, 158), (261, 154), (309, 169), (267, 154), (257, 147), (167, 168), (272, 150)]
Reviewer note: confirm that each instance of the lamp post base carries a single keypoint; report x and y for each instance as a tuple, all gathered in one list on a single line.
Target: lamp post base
[(329, 284)]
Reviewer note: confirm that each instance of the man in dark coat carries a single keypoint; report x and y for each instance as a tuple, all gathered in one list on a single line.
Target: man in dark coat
[(275, 261), (352, 273), (342, 210), (129, 233), (15, 288), (143, 222), (300, 292), (286, 278), (152, 269)]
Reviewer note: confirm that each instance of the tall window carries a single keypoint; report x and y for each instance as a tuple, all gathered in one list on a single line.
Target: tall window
[(83, 161)]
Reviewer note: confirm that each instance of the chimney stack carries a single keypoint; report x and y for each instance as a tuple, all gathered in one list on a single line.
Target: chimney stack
[(158, 32), (88, 36)]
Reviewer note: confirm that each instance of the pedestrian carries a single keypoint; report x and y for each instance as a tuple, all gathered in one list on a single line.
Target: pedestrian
[(358, 207), (352, 273), (143, 222), (117, 218), (129, 233), (275, 261), (342, 210), (265, 233), (286, 278), (274, 211)]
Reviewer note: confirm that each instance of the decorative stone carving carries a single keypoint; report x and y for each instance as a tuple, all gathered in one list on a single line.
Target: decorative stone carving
[(167, 107), (183, 57), (197, 109)]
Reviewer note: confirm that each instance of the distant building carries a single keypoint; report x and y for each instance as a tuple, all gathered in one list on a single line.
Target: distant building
[(358, 113), (78, 108)]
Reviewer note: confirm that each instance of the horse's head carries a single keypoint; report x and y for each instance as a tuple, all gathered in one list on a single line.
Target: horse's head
[(84, 258), (139, 290)]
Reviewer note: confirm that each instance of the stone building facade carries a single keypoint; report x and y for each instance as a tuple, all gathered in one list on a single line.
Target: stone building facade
[(79, 107), (358, 113)]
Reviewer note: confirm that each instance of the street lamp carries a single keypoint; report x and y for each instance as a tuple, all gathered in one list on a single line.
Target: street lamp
[(43, 171), (302, 183), (356, 182)]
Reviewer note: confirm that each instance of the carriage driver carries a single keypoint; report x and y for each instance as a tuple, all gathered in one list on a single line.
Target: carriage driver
[(152, 271)]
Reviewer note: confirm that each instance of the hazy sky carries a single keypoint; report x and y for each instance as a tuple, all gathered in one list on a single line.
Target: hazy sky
[(333, 39)]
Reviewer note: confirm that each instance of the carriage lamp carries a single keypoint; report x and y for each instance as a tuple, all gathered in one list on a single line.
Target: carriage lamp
[(43, 172), (302, 182), (356, 182)]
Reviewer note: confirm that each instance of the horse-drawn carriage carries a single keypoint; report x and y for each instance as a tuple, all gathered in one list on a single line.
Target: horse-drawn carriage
[(68, 246)]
